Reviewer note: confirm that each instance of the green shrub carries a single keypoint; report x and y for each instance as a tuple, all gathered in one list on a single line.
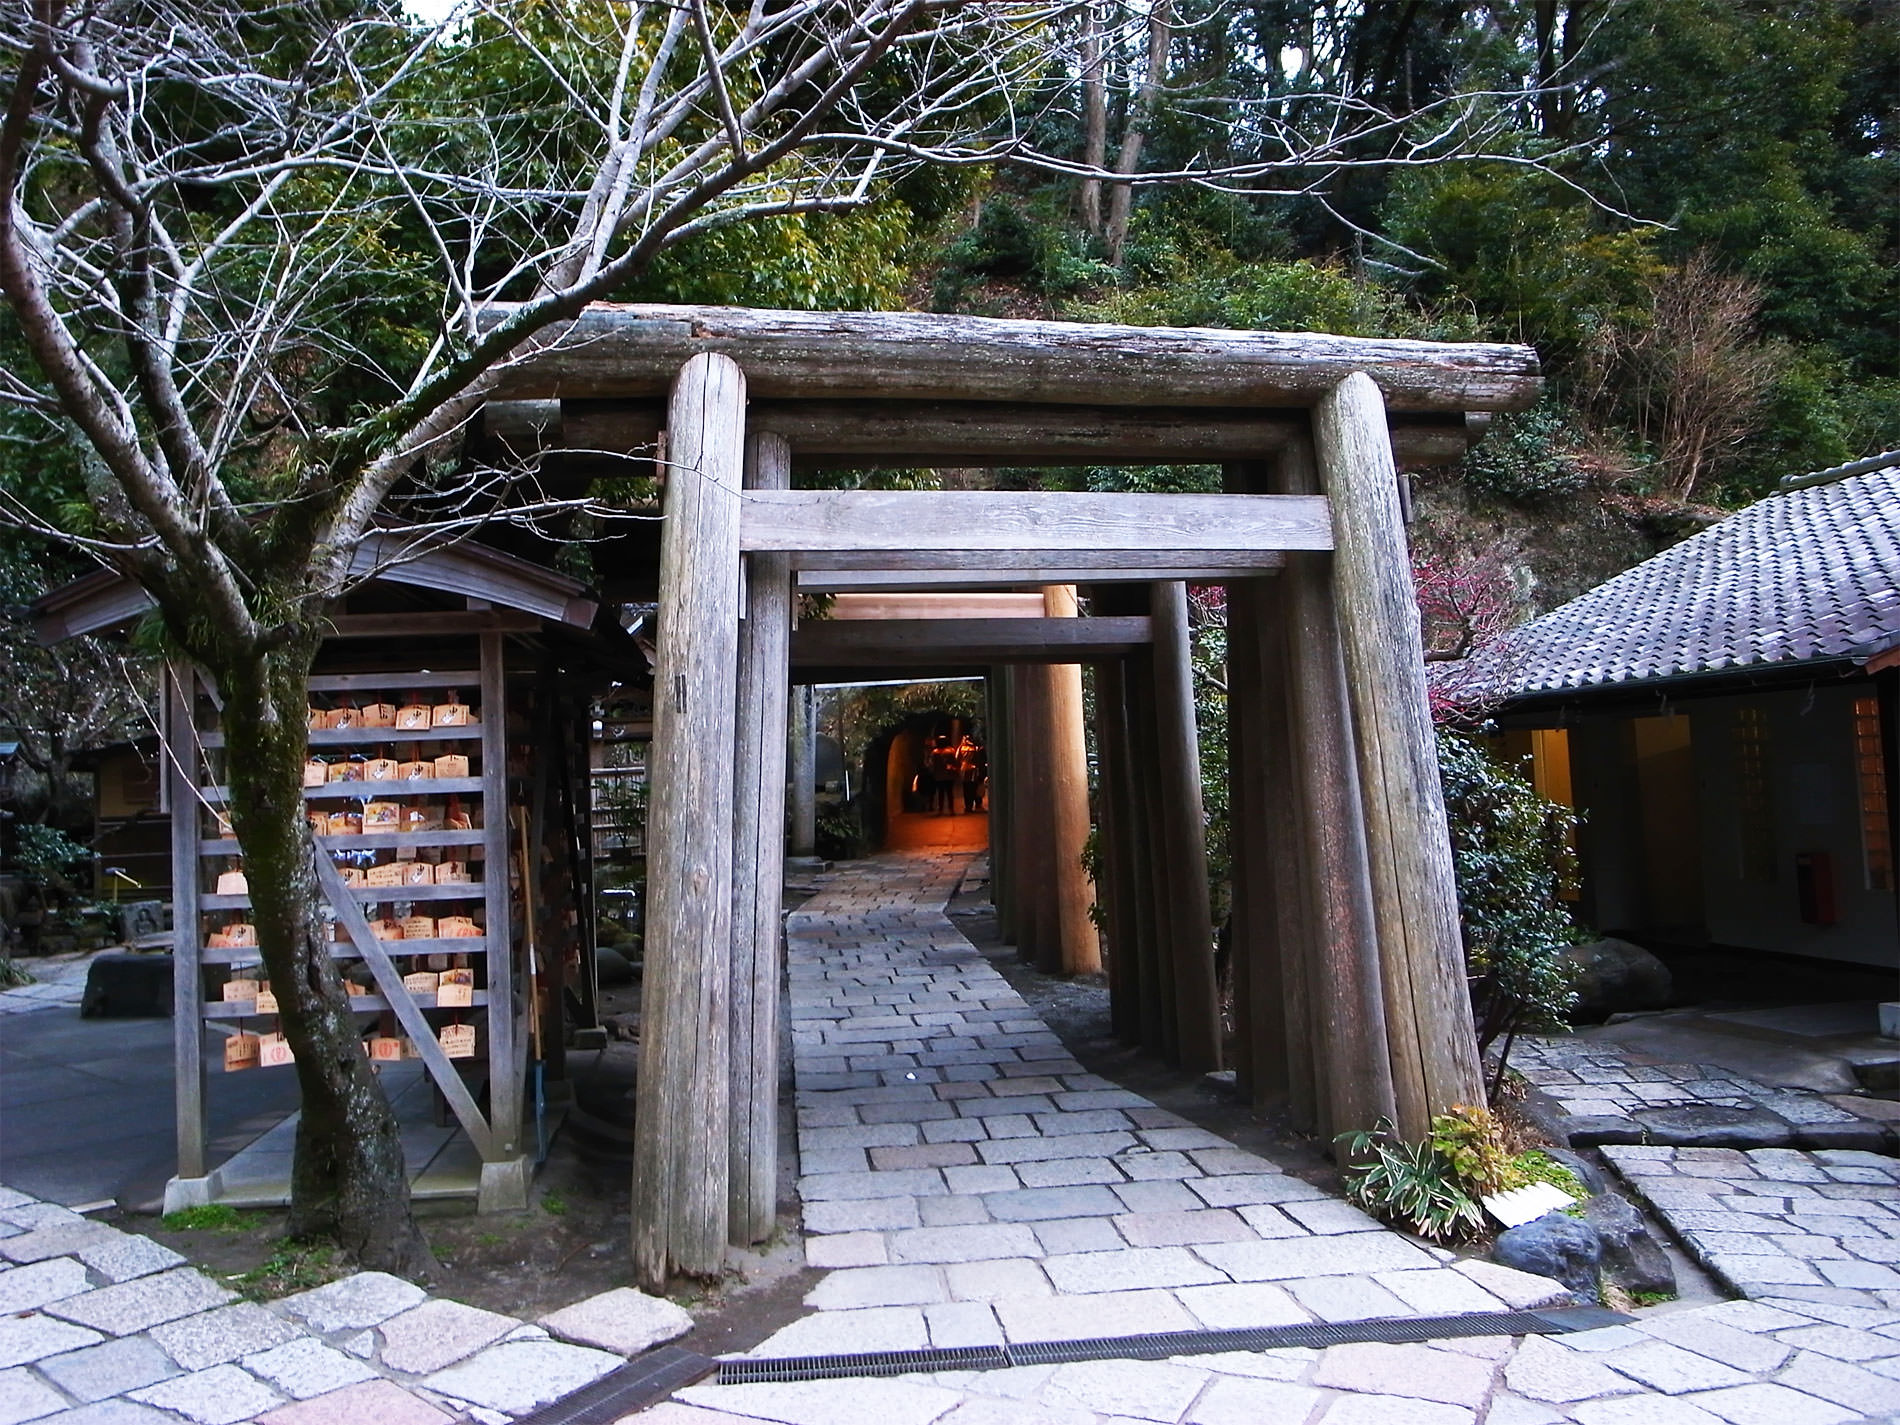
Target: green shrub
[(1011, 244), (1471, 1140), (1527, 457), (1511, 851)]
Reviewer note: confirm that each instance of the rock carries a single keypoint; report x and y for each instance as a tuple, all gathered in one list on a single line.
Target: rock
[(612, 967), (624, 1321), (1555, 1245), (1632, 1256), (127, 985), (1614, 975)]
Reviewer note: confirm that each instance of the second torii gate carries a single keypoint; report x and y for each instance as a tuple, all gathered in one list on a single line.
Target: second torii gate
[(1349, 969)]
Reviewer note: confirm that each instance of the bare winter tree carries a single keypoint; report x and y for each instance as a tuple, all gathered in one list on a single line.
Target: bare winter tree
[(268, 260)]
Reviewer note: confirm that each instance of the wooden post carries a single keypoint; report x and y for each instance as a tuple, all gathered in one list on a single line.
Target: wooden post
[(1252, 949), (1414, 894), (804, 771), (1353, 1078), (188, 1029), (505, 1171), (1076, 947), (758, 872), (1002, 791), (680, 1145), (1160, 1026), (1183, 833), (1115, 823), (1031, 903), (1294, 923)]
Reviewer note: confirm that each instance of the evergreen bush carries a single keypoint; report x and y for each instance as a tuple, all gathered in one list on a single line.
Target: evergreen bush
[(1512, 854)]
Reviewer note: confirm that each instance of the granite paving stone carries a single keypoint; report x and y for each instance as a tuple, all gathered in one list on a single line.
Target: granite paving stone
[(138, 1305), (225, 1333), (25, 1288), (306, 1367), (374, 1402), (519, 1376), (33, 1337), (438, 1333), (110, 1368), (23, 1396), (223, 1395)]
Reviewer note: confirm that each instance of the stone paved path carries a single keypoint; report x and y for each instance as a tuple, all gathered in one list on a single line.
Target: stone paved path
[(1608, 1093), (102, 1327), (966, 1183), (1773, 1223)]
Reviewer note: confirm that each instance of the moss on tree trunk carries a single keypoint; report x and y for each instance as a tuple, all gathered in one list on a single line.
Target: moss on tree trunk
[(348, 1179)]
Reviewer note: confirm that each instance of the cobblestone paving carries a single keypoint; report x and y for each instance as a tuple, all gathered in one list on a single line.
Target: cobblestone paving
[(102, 1327), (1605, 1093), (1775, 1223), (966, 1183)]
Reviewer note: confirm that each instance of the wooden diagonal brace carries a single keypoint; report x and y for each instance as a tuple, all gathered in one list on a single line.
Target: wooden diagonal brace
[(389, 980)]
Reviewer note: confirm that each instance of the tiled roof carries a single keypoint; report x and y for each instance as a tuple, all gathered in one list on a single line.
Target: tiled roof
[(1808, 574)]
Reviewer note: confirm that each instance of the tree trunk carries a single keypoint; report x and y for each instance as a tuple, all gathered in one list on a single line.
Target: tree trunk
[(347, 1179), (1135, 134), (1094, 118)]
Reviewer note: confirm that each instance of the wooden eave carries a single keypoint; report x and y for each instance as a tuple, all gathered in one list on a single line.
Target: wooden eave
[(107, 599)]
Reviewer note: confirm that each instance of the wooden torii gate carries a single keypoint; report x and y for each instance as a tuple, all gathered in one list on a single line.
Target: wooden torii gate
[(1349, 968)]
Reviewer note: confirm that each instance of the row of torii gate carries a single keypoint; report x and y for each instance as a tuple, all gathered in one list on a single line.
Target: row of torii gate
[(1350, 995)]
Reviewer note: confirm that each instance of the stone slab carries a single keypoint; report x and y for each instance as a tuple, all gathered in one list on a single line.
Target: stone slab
[(142, 1304), (114, 1367), (24, 1339), (366, 1299), (437, 1334), (380, 1401), (223, 1395), (225, 1333), (625, 1321), (519, 1376), (306, 1367)]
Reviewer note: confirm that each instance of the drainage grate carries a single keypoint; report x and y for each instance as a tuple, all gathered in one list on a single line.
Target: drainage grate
[(636, 1385), (1161, 1345)]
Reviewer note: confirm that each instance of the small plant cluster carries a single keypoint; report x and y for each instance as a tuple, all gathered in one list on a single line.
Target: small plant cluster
[(1528, 457), (1434, 1188)]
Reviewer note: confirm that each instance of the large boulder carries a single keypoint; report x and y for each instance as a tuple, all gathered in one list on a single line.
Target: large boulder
[(1632, 1256), (1555, 1245), (1614, 976)]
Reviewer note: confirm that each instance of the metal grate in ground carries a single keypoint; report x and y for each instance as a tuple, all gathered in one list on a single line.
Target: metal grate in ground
[(1162, 1345)]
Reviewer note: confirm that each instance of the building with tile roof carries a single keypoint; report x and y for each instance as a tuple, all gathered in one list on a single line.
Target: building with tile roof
[(1724, 716)]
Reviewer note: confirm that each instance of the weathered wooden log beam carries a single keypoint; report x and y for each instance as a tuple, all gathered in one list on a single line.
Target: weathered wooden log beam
[(680, 1147), (905, 642), (634, 349), (850, 607), (867, 581), (1003, 528), (925, 434)]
